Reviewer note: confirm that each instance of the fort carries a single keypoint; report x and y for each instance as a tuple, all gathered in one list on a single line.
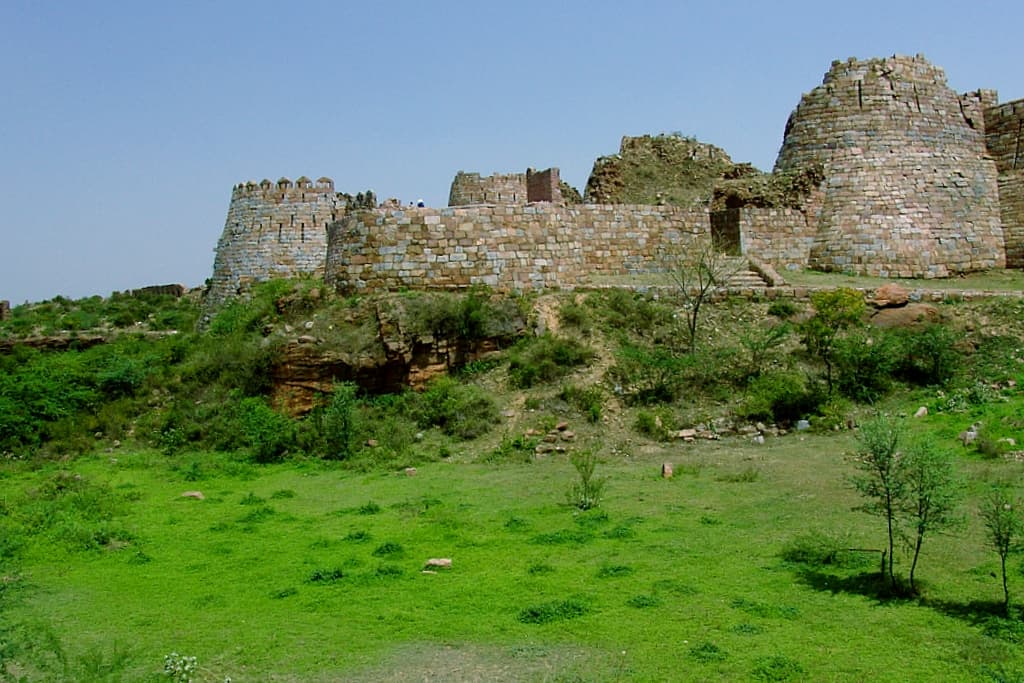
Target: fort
[(883, 170)]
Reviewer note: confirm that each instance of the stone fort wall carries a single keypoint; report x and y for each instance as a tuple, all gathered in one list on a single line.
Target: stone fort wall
[(919, 181), (273, 230), (1004, 134), (508, 247), (500, 188), (909, 188)]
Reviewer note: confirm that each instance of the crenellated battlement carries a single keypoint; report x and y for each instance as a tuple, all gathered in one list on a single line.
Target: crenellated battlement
[(283, 190)]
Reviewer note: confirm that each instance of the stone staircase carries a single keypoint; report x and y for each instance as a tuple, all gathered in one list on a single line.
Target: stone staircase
[(743, 276)]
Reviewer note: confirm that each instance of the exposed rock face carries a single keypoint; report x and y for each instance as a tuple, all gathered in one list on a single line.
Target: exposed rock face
[(398, 358), (909, 189), (658, 169)]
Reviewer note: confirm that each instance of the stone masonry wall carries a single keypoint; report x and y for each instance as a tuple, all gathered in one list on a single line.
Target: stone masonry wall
[(273, 230), (909, 189), (543, 186), (1004, 135), (781, 237), (1011, 201), (471, 188), (508, 247)]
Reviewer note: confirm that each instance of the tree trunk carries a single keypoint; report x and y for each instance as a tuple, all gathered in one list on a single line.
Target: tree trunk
[(913, 564)]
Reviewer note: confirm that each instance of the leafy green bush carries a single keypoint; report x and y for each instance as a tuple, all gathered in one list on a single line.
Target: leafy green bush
[(338, 423), (268, 434), (647, 376), (587, 400), (652, 424), (865, 364), (461, 410), (930, 355), (780, 396), (545, 359), (783, 309)]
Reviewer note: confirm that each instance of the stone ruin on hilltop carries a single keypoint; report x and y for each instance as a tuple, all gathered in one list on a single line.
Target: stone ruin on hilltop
[(884, 170)]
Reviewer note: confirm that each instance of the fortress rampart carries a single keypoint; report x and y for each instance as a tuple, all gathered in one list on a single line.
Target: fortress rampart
[(273, 230), (1004, 135), (508, 247), (909, 188), (918, 181)]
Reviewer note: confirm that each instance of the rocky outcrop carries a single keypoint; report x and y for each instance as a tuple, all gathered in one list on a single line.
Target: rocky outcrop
[(402, 355), (658, 169)]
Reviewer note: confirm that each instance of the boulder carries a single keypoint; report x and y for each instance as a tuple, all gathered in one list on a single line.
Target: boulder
[(890, 295), (911, 315)]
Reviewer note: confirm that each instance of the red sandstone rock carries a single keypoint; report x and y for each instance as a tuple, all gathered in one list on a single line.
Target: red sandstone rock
[(890, 296)]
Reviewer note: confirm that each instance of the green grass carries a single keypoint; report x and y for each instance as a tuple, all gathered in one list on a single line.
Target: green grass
[(303, 571)]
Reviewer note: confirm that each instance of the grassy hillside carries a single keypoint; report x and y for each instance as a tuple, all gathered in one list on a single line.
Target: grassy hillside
[(298, 554)]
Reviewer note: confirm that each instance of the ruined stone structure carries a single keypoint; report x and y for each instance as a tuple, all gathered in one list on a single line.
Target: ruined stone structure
[(883, 170), (5, 310), (1004, 134), (471, 188), (909, 189), (510, 247), (509, 188), (273, 230)]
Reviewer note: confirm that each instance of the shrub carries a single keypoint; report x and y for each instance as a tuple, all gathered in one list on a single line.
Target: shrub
[(782, 396), (461, 410), (587, 400), (585, 493), (268, 433), (706, 653), (648, 375), (651, 424), (338, 423), (783, 309), (545, 359), (930, 355), (865, 364)]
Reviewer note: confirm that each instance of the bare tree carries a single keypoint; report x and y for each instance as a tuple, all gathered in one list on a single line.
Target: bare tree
[(698, 270)]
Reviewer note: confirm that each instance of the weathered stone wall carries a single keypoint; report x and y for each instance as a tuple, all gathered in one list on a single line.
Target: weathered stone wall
[(1011, 201), (509, 247), (781, 237), (5, 310), (273, 230), (1004, 134), (543, 186), (471, 188), (909, 190)]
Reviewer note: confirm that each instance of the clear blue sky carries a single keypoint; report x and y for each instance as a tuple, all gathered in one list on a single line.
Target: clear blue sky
[(124, 125)]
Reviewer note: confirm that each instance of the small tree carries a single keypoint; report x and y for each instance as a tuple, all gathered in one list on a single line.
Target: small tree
[(585, 493), (697, 271), (932, 493), (882, 481), (834, 311), (338, 425), (1005, 528)]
